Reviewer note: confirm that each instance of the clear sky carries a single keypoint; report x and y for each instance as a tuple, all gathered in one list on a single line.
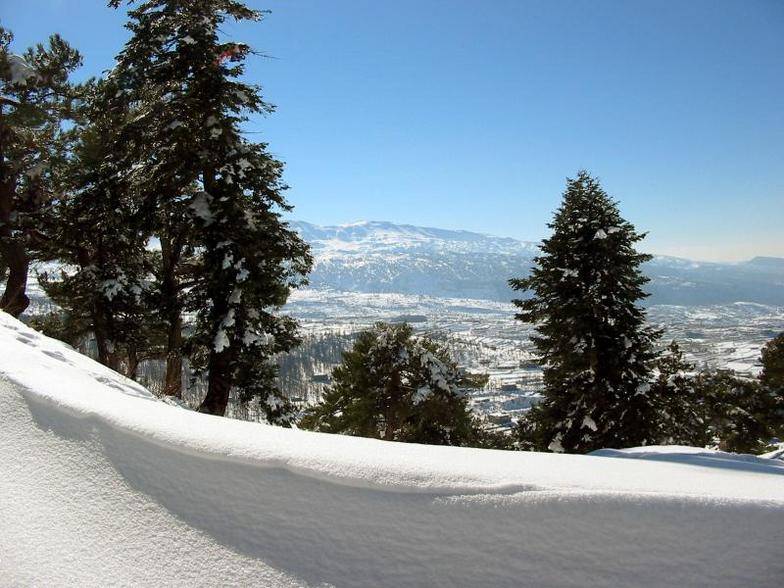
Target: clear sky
[(470, 115)]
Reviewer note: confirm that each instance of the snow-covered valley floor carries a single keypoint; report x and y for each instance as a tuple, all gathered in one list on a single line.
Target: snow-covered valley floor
[(101, 484)]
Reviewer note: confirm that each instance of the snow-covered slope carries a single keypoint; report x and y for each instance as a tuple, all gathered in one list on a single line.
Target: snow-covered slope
[(101, 484), (384, 257)]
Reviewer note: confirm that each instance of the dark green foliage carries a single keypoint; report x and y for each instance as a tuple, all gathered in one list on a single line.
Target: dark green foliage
[(61, 325), (97, 231), (714, 408), (772, 381), (183, 148), (740, 415), (592, 339), (394, 386), (772, 361), (35, 99), (681, 410)]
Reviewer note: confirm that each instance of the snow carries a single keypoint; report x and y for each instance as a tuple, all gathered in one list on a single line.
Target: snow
[(201, 207), (568, 273), (589, 423), (21, 71), (221, 340), (101, 484)]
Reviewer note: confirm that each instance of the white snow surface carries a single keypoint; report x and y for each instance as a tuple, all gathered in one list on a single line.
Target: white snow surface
[(101, 484)]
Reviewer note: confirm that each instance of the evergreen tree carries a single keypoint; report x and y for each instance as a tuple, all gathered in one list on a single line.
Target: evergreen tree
[(739, 414), (183, 81), (772, 381), (35, 98), (592, 339), (396, 387), (772, 360), (174, 267), (682, 410), (716, 409), (95, 231)]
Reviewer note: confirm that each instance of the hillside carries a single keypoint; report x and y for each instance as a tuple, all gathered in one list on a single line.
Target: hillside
[(376, 257), (102, 484)]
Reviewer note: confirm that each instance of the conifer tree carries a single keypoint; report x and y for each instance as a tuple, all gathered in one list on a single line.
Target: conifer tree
[(772, 360), (740, 414), (95, 231), (174, 267), (717, 409), (772, 381), (681, 408), (396, 387), (35, 98), (183, 81), (592, 339)]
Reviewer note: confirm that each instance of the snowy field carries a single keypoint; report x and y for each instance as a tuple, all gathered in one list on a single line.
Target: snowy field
[(102, 484), (725, 336)]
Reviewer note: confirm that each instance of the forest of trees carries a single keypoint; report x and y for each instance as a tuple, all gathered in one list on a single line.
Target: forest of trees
[(153, 152), (166, 220)]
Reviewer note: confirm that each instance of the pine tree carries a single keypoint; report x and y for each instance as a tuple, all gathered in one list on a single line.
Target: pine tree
[(174, 267), (95, 231), (772, 381), (740, 414), (183, 81), (592, 339), (772, 360), (396, 387), (682, 409), (35, 97), (717, 409)]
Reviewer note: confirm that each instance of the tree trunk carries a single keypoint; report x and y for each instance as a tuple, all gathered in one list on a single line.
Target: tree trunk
[(133, 363), (173, 381), (14, 300), (107, 354), (219, 376), (218, 383), (393, 391), (170, 291)]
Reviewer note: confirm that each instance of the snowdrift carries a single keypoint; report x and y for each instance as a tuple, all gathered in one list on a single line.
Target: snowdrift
[(102, 484)]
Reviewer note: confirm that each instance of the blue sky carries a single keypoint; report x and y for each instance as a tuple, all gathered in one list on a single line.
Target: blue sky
[(470, 115)]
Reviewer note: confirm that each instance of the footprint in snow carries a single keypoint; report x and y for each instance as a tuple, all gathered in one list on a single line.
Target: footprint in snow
[(56, 355), (25, 338)]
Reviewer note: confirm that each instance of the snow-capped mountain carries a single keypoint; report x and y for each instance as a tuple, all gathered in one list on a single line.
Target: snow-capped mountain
[(384, 257), (373, 256)]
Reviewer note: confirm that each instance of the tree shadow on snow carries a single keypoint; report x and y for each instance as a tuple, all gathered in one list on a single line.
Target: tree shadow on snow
[(737, 462)]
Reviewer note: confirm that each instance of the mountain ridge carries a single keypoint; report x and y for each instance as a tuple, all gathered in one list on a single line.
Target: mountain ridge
[(381, 256)]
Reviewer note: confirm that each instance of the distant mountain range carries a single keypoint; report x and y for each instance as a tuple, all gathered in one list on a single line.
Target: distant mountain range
[(372, 256)]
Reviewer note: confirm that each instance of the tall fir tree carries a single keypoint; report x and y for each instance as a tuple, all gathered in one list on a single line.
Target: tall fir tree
[(96, 233), (592, 339), (35, 99), (184, 82)]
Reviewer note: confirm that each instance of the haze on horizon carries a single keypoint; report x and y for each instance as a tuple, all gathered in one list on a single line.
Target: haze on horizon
[(464, 116)]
